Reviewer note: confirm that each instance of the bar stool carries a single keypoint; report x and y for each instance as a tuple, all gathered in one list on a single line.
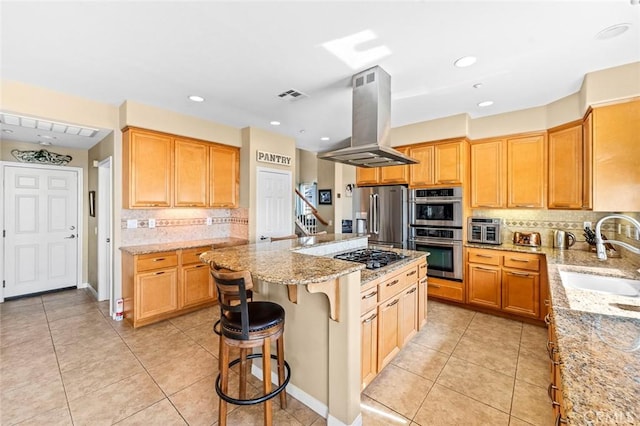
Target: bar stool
[(247, 325)]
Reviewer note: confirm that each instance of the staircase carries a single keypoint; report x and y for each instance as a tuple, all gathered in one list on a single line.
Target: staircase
[(307, 217)]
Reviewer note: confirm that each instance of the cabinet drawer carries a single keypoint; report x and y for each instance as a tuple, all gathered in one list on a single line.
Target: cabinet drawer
[(412, 274), (192, 255), (485, 257), (150, 261), (368, 299), (530, 262), (422, 270), (392, 286), (450, 291)]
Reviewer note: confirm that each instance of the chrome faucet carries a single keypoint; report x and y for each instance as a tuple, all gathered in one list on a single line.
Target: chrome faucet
[(600, 249)]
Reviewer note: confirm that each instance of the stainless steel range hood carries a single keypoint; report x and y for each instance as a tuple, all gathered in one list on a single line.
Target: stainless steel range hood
[(371, 124)]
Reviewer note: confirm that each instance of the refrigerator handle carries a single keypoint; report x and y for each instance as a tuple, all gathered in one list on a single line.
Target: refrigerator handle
[(376, 209), (370, 218)]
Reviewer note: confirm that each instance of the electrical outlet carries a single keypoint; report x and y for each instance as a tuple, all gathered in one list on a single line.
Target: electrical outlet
[(209, 221), (586, 225), (152, 223), (132, 223), (330, 222)]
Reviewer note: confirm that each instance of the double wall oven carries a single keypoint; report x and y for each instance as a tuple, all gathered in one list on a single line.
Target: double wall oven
[(435, 219)]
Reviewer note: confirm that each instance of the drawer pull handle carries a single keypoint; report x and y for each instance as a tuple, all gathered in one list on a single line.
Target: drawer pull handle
[(484, 269), (200, 266), (159, 259), (371, 318), (560, 420), (433, 285), (549, 345), (517, 259), (370, 295), (547, 319), (525, 205), (546, 302), (411, 273), (393, 303), (485, 205), (413, 290), (159, 273), (550, 389), (392, 283), (520, 274), (487, 256), (423, 266)]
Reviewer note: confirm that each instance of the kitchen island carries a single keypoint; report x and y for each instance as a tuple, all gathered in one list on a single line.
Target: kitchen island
[(321, 297), (594, 344)]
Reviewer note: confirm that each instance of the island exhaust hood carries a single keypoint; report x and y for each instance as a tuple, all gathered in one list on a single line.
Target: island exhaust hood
[(370, 145)]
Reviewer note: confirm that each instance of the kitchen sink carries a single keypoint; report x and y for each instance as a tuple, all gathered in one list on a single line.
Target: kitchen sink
[(601, 284)]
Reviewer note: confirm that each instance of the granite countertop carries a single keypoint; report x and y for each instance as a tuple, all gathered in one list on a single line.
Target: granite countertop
[(598, 343), (215, 243), (293, 262)]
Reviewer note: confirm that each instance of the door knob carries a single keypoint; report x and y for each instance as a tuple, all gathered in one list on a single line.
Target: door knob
[(71, 236), (72, 227)]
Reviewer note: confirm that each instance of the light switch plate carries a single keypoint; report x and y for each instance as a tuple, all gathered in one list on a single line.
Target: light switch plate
[(209, 221), (132, 223), (152, 223)]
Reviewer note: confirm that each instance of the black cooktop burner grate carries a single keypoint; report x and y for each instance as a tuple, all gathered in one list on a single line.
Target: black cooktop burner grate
[(373, 258)]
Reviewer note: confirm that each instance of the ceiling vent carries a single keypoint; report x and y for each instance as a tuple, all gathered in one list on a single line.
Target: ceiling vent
[(45, 125), (292, 95)]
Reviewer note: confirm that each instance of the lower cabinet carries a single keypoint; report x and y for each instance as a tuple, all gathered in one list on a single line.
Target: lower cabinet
[(393, 307), (554, 391), (505, 281), (156, 286)]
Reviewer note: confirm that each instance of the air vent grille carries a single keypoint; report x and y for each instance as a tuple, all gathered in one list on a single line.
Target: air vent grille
[(292, 95)]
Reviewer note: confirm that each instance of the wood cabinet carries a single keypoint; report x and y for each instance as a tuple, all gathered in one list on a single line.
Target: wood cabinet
[(441, 163), (156, 286), (488, 173), (555, 386), (392, 308), (423, 295), (147, 165), (587, 162), (566, 167), (445, 289), (527, 171), (191, 173), (615, 134), (505, 281), (367, 176), (162, 170), (391, 175)]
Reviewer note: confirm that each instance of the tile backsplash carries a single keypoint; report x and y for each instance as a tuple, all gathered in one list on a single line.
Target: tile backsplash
[(173, 225)]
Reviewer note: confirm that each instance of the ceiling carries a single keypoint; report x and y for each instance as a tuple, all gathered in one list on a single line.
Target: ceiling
[(241, 55)]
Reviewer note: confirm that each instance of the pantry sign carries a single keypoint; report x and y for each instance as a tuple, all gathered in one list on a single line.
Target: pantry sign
[(269, 157)]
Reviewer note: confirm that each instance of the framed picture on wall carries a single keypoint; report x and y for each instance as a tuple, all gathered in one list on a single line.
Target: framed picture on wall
[(324, 196)]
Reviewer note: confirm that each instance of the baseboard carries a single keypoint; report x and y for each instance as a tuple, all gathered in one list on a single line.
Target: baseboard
[(93, 292)]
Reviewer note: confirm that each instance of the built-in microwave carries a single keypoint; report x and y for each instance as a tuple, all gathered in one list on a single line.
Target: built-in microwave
[(436, 207), (483, 230)]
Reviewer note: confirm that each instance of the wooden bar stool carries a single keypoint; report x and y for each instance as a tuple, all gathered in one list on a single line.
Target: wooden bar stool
[(246, 325)]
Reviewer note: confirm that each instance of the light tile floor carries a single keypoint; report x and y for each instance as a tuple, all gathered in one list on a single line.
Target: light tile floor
[(63, 361)]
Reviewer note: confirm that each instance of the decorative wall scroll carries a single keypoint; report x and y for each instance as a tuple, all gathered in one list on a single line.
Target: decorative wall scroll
[(41, 157)]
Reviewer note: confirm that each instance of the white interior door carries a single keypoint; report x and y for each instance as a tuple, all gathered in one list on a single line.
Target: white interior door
[(274, 205), (41, 224)]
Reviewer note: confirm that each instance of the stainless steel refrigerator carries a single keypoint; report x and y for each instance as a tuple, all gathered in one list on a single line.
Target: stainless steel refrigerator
[(382, 212)]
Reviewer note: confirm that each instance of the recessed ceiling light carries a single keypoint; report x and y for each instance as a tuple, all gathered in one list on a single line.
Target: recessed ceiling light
[(485, 103), (325, 138), (613, 31), (465, 61), (196, 98), (7, 130), (477, 85), (46, 137), (274, 123)]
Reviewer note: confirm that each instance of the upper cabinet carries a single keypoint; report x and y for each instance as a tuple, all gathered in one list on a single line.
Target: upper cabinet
[(421, 174), (489, 173), (367, 176), (390, 175), (441, 164), (566, 167), (527, 171), (615, 134), (147, 169), (161, 170)]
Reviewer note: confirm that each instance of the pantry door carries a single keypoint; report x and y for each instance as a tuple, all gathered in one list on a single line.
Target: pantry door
[(41, 224), (274, 212)]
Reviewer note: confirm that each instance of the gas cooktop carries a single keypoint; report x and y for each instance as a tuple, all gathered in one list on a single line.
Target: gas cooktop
[(373, 258)]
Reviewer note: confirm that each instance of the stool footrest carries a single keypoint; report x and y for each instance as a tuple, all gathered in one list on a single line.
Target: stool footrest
[(259, 399)]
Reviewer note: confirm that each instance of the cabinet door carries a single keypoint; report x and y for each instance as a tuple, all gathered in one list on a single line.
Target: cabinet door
[(196, 286), (156, 293), (448, 163), (422, 302), (224, 176), (483, 283), (190, 173), (521, 293), (565, 168), (421, 174), (369, 336), (526, 172), (616, 150), (388, 336), (489, 174), (408, 314), (587, 162), (367, 175), (395, 174), (147, 169)]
